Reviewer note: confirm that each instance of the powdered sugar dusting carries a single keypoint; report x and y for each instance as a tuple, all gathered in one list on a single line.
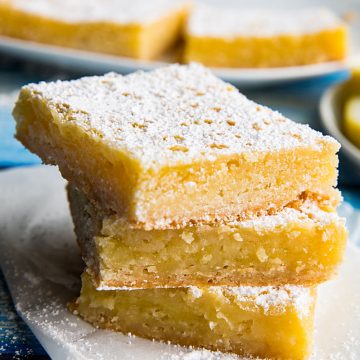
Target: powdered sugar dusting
[(177, 114), (201, 354), (227, 23), (308, 213), (270, 298), (195, 292), (118, 11)]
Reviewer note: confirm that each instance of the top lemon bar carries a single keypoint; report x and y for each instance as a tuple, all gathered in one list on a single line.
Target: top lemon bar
[(264, 37), (135, 28), (173, 146)]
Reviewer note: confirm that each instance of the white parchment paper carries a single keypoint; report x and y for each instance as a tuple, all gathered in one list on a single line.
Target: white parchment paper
[(42, 265)]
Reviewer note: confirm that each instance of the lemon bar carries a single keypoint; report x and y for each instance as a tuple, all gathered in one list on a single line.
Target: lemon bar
[(302, 244), (133, 28), (269, 322), (173, 146), (264, 38)]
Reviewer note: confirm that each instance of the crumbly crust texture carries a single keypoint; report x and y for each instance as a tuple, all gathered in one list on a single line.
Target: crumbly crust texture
[(309, 208), (251, 279)]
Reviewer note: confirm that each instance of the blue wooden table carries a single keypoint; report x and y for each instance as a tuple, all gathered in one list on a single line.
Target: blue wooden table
[(298, 101)]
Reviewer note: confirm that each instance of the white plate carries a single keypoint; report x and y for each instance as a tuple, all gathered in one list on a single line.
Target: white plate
[(41, 263), (100, 63)]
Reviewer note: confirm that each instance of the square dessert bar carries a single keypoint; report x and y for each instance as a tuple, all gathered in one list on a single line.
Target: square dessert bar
[(173, 146), (134, 28), (264, 38), (269, 322), (301, 244)]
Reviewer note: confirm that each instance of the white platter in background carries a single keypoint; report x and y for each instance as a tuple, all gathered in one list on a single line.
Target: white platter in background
[(94, 63)]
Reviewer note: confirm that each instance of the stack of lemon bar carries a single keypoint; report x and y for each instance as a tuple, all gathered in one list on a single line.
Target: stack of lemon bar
[(203, 218)]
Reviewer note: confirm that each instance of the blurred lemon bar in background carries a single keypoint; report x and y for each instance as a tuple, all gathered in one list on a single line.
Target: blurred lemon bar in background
[(134, 28), (268, 322), (264, 38), (173, 146), (301, 244)]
